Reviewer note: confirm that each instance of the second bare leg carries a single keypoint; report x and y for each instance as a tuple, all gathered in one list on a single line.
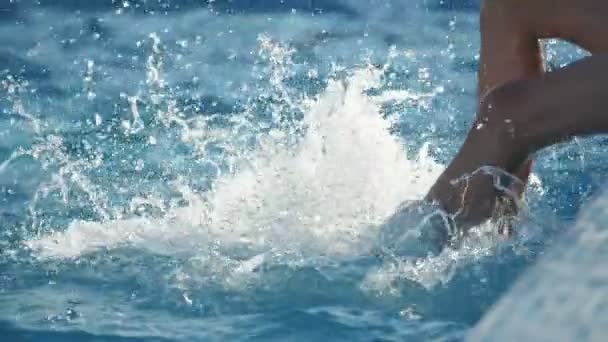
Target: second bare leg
[(510, 52)]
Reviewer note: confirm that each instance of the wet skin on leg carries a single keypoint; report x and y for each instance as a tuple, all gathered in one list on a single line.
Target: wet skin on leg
[(521, 109)]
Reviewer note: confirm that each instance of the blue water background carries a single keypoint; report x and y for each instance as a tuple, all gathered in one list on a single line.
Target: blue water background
[(70, 69)]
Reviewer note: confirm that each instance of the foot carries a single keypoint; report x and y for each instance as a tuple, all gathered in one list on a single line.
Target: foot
[(467, 188)]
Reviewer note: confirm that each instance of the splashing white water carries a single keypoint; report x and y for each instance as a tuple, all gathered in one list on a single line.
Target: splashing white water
[(12, 89), (323, 194), (346, 176), (432, 270)]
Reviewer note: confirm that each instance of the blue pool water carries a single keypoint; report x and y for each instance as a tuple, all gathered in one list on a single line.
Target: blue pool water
[(197, 170)]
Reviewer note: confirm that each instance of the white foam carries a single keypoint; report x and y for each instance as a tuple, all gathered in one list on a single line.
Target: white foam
[(347, 175), (296, 197), (324, 195)]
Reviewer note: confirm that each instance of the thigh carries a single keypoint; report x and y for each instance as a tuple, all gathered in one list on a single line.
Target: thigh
[(511, 29), (581, 22)]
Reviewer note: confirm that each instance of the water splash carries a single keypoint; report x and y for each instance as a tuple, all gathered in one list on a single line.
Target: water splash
[(13, 89), (432, 270), (326, 195), (323, 177)]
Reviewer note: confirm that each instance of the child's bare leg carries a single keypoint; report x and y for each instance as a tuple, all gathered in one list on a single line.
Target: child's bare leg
[(508, 52), (517, 119), (510, 32), (518, 24)]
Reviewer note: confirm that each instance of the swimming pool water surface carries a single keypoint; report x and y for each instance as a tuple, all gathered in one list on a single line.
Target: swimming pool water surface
[(224, 171)]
